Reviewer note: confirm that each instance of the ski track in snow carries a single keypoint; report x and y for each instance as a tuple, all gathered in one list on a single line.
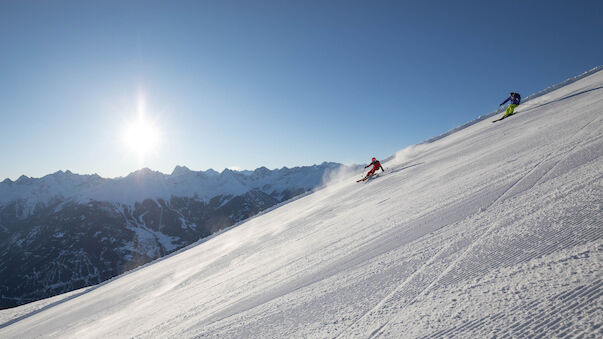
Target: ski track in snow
[(495, 230)]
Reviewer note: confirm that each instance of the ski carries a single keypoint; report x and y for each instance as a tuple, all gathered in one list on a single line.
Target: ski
[(374, 176), (365, 178), (504, 117)]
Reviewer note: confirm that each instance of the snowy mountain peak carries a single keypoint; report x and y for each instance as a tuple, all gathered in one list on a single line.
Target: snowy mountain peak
[(181, 170), (23, 179), (61, 174), (261, 172), (145, 172), (227, 171), (328, 164), (211, 172)]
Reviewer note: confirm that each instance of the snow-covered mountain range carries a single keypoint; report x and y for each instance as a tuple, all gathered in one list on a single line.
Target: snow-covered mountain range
[(148, 184), (65, 231), (491, 231)]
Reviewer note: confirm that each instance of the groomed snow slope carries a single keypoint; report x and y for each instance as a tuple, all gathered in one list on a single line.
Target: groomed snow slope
[(493, 230)]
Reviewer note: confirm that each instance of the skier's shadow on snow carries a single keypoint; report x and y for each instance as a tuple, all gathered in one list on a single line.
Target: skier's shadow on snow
[(564, 98), (405, 167)]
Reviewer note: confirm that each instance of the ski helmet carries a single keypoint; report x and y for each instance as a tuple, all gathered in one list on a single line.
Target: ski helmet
[(374, 159)]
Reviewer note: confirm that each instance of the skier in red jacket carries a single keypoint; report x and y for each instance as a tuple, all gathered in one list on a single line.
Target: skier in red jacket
[(376, 165)]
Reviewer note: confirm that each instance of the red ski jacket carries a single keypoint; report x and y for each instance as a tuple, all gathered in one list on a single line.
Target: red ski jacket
[(376, 165)]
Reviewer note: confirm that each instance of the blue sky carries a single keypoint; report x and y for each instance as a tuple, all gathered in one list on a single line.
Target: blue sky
[(268, 83)]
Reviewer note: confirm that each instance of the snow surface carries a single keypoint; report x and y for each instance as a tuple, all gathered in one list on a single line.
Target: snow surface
[(494, 230)]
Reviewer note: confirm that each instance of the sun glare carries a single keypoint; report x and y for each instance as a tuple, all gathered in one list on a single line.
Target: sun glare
[(141, 136)]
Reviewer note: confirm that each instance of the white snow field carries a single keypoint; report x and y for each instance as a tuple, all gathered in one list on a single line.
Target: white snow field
[(492, 231)]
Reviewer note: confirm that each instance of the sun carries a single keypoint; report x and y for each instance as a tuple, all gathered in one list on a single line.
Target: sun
[(141, 136)]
